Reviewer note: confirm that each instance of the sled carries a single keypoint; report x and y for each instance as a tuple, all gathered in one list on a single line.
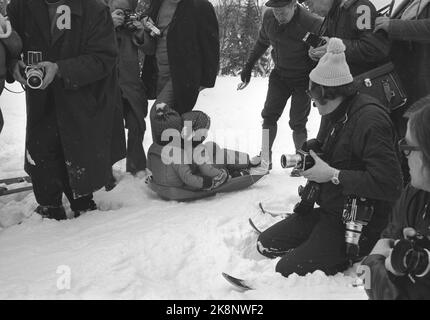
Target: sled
[(5, 190), (185, 195)]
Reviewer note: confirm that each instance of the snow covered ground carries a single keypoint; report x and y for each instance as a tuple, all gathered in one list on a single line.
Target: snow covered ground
[(139, 247)]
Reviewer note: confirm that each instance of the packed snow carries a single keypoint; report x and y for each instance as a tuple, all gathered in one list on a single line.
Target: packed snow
[(137, 246)]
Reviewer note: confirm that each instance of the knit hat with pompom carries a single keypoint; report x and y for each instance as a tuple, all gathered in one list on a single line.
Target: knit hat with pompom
[(332, 69)]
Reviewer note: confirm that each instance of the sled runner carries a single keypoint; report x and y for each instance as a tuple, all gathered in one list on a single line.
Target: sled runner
[(15, 180), (5, 190), (238, 284), (273, 211), (184, 195), (254, 226)]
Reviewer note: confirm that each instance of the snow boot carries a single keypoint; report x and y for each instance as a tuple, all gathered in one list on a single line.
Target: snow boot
[(52, 212), (87, 206)]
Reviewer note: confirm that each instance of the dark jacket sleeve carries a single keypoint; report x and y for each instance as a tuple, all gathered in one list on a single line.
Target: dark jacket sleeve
[(410, 30), (373, 141), (261, 45), (13, 45), (208, 37), (14, 49), (98, 58), (369, 47), (380, 286)]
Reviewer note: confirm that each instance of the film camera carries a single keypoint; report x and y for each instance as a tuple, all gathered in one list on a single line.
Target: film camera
[(303, 161), (411, 256), (357, 214), (131, 16), (314, 40), (33, 74)]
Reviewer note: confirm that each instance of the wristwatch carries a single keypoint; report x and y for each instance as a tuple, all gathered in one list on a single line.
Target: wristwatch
[(335, 179)]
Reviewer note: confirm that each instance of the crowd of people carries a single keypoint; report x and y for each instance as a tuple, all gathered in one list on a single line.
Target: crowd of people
[(101, 61)]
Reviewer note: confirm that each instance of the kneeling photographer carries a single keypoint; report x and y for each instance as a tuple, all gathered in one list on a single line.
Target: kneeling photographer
[(355, 185), (399, 263)]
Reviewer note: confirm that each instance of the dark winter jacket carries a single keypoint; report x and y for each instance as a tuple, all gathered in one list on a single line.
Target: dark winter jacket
[(365, 50), (289, 51), (130, 82), (411, 52), (86, 92), (412, 210), (193, 50), (365, 153), (179, 175), (10, 46)]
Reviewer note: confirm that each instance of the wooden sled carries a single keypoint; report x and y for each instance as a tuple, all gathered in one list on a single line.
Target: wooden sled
[(185, 195)]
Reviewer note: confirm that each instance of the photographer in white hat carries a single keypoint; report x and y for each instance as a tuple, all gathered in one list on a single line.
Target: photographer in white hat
[(359, 161)]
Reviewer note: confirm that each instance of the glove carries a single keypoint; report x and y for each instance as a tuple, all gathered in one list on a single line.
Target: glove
[(219, 180), (245, 75)]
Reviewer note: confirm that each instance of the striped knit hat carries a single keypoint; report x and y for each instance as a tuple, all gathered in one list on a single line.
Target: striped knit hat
[(332, 69)]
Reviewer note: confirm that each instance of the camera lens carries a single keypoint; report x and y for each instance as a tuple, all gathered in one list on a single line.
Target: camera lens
[(290, 161), (34, 78)]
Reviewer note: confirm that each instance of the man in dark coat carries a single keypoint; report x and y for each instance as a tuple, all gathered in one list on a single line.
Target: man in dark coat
[(347, 20), (360, 161), (70, 119), (186, 53), (284, 26)]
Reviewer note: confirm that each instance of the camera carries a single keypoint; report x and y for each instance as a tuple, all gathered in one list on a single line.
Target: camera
[(357, 213), (314, 40), (303, 161), (131, 16), (34, 75), (411, 256)]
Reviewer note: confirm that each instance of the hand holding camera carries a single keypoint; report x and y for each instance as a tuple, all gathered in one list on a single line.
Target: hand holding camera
[(118, 18), (410, 256)]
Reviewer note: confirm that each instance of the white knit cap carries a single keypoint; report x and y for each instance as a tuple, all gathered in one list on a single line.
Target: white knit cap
[(332, 69)]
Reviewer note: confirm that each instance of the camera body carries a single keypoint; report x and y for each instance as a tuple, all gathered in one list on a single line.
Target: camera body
[(314, 40), (303, 161), (411, 256), (33, 74), (131, 16), (357, 213)]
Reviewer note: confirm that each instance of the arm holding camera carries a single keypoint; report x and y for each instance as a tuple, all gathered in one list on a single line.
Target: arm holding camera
[(381, 179)]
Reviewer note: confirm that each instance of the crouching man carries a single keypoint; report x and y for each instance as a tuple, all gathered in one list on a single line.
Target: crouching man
[(360, 172), (400, 262)]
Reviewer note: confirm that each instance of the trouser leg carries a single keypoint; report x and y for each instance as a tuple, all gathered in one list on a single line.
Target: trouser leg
[(44, 159), (277, 97), (324, 250), (299, 113), (286, 235), (136, 158)]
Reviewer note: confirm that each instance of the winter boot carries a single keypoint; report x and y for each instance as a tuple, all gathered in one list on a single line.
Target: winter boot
[(82, 205), (52, 212), (263, 162)]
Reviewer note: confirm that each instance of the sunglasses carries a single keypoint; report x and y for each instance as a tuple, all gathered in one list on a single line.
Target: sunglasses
[(407, 149)]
